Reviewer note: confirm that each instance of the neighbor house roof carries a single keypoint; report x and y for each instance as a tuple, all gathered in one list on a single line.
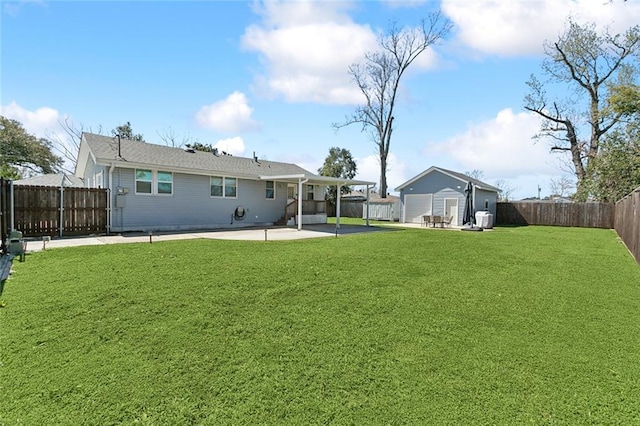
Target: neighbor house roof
[(460, 176), (107, 151), (54, 179)]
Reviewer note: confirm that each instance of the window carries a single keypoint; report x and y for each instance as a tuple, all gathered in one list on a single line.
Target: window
[(152, 182), (270, 191), (144, 179), (165, 183), (223, 187), (230, 187), (310, 192)]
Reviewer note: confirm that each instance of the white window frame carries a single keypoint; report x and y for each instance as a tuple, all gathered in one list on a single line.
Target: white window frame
[(311, 190), (273, 189), (99, 180), (154, 182), (224, 187)]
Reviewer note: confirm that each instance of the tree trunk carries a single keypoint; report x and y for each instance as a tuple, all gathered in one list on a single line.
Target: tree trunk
[(383, 175)]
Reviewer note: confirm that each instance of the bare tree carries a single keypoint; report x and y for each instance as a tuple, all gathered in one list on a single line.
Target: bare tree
[(561, 186), (475, 174), (67, 144), (378, 78), (505, 189), (170, 138), (586, 61)]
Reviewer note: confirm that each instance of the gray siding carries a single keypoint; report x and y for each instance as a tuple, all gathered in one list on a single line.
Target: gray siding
[(191, 206), (441, 186), (491, 197)]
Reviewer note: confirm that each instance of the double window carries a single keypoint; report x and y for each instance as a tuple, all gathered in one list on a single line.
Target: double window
[(224, 187), (154, 182)]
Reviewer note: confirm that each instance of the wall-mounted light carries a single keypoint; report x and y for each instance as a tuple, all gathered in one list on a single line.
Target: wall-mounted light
[(411, 189)]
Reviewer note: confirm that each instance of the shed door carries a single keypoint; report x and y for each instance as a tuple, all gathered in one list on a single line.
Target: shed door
[(416, 206)]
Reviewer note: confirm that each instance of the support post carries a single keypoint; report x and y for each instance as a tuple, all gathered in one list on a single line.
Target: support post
[(338, 186), (367, 215)]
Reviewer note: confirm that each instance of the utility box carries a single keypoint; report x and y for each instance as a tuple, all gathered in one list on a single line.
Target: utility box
[(121, 201), (16, 244)]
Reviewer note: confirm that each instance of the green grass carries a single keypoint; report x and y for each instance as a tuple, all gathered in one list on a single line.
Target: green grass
[(532, 325)]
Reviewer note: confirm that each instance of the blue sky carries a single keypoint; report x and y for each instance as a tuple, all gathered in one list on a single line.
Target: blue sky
[(271, 77)]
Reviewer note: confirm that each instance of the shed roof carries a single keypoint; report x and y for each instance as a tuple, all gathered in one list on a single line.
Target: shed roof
[(53, 179), (460, 176)]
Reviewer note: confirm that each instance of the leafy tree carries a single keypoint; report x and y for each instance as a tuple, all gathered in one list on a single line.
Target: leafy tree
[(126, 132), (199, 146), (616, 170), (378, 78), (585, 61), (339, 163), (21, 151), (617, 167)]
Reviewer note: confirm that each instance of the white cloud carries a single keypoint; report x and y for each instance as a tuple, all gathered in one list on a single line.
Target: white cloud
[(307, 48), (233, 146), (501, 147), (520, 27), (40, 122), (369, 169), (232, 114)]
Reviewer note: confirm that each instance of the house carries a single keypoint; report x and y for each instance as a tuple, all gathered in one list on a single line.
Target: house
[(438, 191), (53, 179), (160, 188)]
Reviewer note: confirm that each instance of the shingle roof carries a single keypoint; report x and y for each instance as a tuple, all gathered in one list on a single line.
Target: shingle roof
[(56, 179), (140, 154), (462, 177)]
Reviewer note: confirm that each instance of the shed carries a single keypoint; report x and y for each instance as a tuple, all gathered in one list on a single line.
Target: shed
[(438, 191), (383, 208)]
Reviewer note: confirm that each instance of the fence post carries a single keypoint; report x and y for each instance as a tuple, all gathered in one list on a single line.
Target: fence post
[(61, 224), (12, 211)]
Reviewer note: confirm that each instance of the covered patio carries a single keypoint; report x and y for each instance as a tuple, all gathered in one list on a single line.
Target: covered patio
[(311, 179)]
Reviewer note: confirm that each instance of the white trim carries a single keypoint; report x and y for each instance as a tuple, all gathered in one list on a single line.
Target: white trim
[(274, 190), (154, 183), (224, 180)]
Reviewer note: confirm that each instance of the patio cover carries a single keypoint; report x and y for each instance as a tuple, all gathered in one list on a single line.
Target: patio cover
[(321, 180)]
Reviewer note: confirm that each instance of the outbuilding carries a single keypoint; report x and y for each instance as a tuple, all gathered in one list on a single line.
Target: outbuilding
[(438, 191)]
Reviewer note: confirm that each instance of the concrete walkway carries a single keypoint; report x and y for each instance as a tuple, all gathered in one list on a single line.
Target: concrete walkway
[(253, 234)]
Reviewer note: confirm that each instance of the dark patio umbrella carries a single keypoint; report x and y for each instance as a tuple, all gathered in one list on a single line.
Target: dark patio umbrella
[(468, 205)]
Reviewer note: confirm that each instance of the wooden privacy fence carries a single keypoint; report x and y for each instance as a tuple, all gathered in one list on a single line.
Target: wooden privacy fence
[(627, 222), (46, 210), (5, 212), (588, 215), (347, 209)]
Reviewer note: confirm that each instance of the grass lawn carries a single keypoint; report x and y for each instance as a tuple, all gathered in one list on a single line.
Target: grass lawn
[(531, 325)]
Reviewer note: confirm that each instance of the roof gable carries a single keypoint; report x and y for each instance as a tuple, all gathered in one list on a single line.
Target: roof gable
[(459, 176)]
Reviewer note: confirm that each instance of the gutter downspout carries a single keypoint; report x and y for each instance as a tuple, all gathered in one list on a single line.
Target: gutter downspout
[(109, 199), (300, 182)]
